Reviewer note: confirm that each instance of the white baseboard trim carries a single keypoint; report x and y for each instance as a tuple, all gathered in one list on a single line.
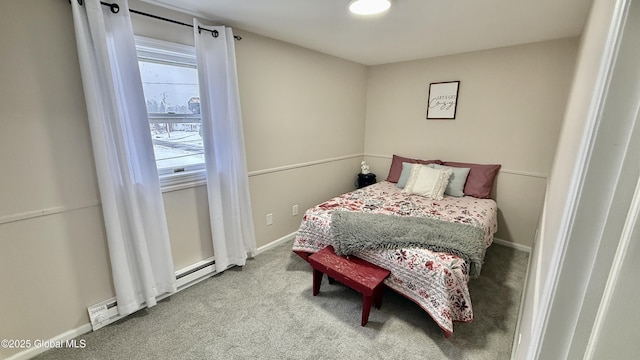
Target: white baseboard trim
[(58, 341), (195, 273), (275, 243), (512, 245), (517, 335)]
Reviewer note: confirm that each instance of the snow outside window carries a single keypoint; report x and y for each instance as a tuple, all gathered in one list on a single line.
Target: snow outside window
[(170, 84)]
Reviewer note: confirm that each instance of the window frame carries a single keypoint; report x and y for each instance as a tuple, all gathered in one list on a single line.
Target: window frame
[(169, 53)]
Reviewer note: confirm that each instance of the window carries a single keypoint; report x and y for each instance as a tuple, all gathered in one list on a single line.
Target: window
[(170, 84)]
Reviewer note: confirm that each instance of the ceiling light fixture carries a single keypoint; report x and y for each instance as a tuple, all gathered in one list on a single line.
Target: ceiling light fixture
[(369, 7)]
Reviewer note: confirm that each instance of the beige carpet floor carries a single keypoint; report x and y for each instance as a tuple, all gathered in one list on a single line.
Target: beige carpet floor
[(265, 310)]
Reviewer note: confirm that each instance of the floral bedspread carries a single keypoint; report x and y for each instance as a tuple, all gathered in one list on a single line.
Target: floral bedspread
[(436, 281)]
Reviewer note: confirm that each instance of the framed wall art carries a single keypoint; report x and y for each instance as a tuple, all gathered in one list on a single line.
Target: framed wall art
[(443, 100)]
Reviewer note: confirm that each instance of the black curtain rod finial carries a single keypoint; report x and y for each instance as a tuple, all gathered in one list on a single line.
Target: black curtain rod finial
[(115, 8)]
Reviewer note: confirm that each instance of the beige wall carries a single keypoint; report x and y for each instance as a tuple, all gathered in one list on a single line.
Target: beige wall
[(510, 108), (52, 266), (299, 107), (303, 116)]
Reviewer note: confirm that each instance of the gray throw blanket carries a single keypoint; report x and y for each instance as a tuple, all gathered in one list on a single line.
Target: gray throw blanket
[(354, 231)]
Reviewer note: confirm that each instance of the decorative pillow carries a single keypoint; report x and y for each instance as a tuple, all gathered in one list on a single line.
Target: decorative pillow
[(456, 181), (427, 181), (404, 175), (480, 180), (396, 166)]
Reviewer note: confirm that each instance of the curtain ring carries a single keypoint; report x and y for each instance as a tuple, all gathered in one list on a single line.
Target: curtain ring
[(215, 33), (114, 8)]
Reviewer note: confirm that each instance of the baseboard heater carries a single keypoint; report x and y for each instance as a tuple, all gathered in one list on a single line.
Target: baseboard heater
[(106, 312)]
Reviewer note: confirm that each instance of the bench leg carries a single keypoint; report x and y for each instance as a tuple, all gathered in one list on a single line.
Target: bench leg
[(366, 308), (317, 280), (378, 297)]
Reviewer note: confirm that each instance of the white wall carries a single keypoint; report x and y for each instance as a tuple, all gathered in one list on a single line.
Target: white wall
[(615, 331), (593, 176), (510, 106), (610, 176)]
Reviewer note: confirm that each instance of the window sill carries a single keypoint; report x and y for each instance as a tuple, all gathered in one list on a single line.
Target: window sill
[(183, 180)]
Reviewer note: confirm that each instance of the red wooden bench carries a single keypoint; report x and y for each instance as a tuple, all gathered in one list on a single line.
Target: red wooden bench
[(353, 272)]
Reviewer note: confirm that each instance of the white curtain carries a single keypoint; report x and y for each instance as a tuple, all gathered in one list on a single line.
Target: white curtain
[(226, 166), (132, 204)]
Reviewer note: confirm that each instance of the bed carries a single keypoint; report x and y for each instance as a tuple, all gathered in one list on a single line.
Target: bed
[(436, 281)]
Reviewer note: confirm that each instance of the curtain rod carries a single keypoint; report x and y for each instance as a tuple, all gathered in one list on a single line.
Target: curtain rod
[(115, 8)]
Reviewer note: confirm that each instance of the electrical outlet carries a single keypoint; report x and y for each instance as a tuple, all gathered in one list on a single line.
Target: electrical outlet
[(295, 210), (269, 219)]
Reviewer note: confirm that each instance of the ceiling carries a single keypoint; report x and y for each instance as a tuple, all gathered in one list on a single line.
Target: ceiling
[(411, 29)]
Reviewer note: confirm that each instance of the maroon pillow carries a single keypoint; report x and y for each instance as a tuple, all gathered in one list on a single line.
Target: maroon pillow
[(480, 180), (396, 166)]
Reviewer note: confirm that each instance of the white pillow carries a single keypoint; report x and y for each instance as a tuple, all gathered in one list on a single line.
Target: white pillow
[(414, 171), (427, 181)]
